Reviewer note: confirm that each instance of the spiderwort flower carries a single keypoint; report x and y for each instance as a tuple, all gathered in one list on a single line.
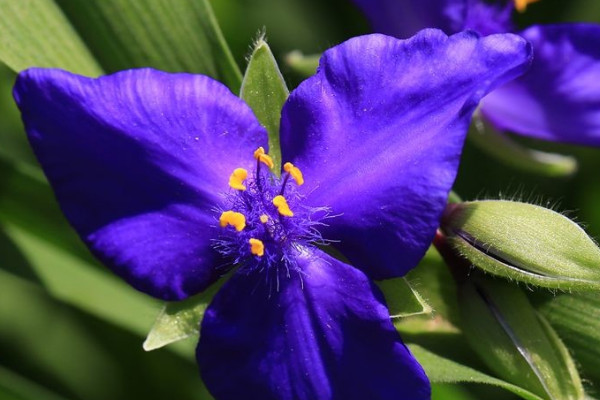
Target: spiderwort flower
[(557, 100), (167, 179)]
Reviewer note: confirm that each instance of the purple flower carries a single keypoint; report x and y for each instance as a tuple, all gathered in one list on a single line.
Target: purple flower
[(557, 100), (167, 180)]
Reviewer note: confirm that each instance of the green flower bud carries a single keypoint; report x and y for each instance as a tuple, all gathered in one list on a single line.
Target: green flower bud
[(524, 242)]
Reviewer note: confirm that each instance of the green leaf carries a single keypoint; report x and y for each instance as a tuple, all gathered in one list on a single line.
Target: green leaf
[(73, 281), (433, 281), (26, 201), (524, 242), (12, 136), (303, 65), (576, 318), (516, 155), (445, 391), (81, 355), (176, 36), (402, 299), (453, 197), (180, 320), (16, 387), (265, 91), (514, 341), (36, 33), (443, 370)]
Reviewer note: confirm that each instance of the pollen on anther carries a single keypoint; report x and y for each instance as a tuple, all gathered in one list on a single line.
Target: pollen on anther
[(263, 157), (257, 247), (294, 172), (237, 178), (235, 219), (264, 218), (282, 206), (521, 5)]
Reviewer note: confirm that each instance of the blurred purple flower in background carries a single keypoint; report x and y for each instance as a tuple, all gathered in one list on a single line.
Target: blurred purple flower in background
[(140, 162), (558, 99)]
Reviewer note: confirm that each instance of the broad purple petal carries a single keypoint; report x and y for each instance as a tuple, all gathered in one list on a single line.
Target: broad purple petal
[(559, 97), (379, 130), (404, 18), (324, 334), (488, 18), (137, 161)]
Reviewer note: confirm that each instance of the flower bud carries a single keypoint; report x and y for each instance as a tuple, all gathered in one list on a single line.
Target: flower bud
[(524, 242)]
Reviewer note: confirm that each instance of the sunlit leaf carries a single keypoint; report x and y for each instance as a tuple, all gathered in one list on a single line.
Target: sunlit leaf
[(443, 370), (512, 339), (441, 391), (179, 320), (402, 299), (178, 36), (70, 279), (432, 280), (80, 355), (36, 33)]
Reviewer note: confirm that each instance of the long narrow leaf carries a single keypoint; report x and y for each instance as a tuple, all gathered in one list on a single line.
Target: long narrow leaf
[(36, 33), (443, 370), (71, 280), (576, 318), (178, 36)]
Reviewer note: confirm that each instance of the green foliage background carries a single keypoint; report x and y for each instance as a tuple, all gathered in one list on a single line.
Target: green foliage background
[(69, 329)]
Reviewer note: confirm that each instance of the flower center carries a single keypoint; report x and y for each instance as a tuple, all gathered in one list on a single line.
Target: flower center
[(265, 223)]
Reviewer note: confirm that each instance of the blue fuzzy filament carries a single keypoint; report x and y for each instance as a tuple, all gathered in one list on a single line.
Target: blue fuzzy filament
[(283, 236)]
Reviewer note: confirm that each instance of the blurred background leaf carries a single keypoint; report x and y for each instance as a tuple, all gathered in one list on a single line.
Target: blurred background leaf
[(70, 330), (169, 35), (36, 33)]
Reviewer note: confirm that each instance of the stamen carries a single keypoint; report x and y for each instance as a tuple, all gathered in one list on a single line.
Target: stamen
[(294, 172), (235, 219), (282, 206), (263, 157), (237, 178), (257, 247), (521, 5), (264, 218)]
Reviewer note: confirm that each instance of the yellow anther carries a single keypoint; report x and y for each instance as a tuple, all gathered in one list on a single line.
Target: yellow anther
[(282, 206), (294, 172), (521, 5), (264, 218), (257, 247), (263, 157), (237, 178), (235, 219)]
